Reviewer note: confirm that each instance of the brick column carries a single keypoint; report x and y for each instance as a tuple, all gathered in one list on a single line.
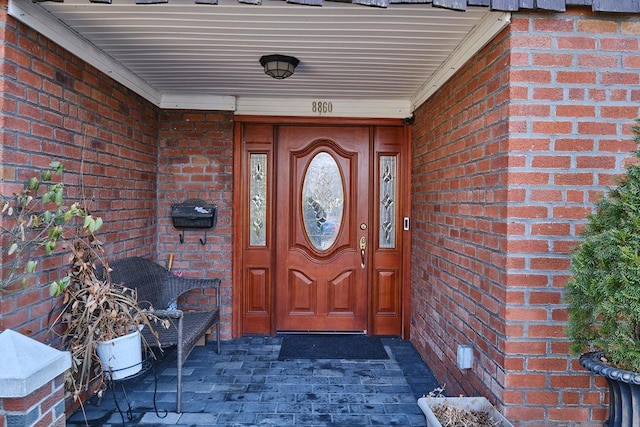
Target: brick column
[(31, 382)]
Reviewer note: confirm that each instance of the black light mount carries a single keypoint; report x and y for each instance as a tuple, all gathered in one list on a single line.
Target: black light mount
[(279, 66)]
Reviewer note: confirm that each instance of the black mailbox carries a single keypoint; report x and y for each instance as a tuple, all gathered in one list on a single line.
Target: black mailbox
[(194, 214)]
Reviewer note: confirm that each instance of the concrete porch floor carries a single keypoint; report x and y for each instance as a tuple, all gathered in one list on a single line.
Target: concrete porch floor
[(246, 385)]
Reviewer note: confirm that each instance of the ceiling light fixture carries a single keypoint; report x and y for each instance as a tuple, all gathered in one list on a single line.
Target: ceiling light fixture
[(279, 66)]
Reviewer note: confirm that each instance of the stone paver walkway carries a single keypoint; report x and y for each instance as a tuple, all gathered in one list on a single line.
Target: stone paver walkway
[(246, 385)]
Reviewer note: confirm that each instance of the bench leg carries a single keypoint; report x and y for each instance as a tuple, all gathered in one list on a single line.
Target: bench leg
[(180, 361), (179, 389), (218, 336)]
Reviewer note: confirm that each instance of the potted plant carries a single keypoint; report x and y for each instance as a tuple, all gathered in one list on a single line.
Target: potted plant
[(442, 411), (603, 294), (32, 224), (98, 316)]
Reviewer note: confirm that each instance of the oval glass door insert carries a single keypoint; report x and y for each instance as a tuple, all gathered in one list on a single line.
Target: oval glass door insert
[(322, 201)]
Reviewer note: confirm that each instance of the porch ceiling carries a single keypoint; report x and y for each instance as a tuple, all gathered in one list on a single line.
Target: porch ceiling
[(185, 55)]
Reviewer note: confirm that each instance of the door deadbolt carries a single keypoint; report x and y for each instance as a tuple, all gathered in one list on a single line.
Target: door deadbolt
[(363, 226)]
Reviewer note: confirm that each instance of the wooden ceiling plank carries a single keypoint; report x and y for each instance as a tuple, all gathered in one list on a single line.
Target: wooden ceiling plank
[(505, 5), (629, 6), (451, 4), (375, 3), (307, 2), (555, 5)]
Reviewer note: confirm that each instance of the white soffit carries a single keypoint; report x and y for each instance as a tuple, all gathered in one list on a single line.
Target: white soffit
[(37, 18), (126, 42), (475, 40)]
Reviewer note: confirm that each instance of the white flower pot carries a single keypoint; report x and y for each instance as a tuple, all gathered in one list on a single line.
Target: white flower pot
[(121, 357), (467, 403)]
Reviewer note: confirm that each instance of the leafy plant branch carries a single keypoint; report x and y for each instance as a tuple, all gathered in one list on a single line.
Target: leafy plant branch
[(36, 218)]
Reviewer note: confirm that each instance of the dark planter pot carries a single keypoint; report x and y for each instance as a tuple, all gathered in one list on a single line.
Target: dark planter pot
[(624, 391)]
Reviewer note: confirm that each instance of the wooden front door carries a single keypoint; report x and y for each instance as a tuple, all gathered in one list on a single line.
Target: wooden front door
[(322, 219), (319, 231)]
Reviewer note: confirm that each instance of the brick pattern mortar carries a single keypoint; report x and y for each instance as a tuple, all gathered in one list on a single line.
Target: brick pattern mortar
[(458, 236), (196, 162), (56, 107), (509, 157)]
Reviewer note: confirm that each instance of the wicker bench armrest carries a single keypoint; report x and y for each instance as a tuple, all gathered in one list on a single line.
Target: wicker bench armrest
[(169, 314)]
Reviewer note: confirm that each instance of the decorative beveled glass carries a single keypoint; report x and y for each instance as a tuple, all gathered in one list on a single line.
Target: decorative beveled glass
[(258, 199), (322, 201), (388, 182)]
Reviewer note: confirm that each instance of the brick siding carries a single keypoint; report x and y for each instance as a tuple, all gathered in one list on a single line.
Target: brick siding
[(196, 162), (509, 157), (42, 407), (459, 201), (56, 107)]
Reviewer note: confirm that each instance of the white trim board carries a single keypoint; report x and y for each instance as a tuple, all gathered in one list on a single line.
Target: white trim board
[(367, 108), (477, 38), (37, 18)]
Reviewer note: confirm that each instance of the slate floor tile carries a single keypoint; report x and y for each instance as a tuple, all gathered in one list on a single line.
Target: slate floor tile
[(247, 385)]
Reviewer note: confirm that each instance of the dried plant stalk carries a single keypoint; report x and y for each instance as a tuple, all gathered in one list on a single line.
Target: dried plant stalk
[(95, 310), (452, 416)]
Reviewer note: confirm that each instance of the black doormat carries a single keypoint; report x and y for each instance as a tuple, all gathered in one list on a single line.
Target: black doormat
[(331, 346)]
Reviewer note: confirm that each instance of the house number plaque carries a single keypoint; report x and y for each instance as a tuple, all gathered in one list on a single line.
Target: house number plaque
[(321, 107)]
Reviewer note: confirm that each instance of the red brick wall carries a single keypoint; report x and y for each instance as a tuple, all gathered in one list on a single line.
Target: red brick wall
[(575, 86), (458, 236), (196, 162), (509, 157), (42, 407), (56, 107)]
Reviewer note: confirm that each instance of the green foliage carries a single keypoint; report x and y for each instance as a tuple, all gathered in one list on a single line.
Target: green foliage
[(604, 292), (38, 218)]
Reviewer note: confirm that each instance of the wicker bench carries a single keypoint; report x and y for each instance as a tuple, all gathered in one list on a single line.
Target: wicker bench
[(159, 288)]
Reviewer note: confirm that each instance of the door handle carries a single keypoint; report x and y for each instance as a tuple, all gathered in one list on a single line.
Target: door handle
[(363, 248)]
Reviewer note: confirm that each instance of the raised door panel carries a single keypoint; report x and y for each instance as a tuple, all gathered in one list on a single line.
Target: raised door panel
[(258, 291), (322, 199), (387, 297), (302, 294), (341, 295)]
